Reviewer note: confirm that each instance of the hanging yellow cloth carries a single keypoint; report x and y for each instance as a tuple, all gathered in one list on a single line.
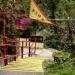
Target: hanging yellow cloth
[(37, 14)]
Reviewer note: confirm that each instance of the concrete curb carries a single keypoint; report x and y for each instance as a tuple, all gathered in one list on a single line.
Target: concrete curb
[(5, 72)]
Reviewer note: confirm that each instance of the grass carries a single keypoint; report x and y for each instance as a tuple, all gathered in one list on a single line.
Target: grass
[(28, 64)]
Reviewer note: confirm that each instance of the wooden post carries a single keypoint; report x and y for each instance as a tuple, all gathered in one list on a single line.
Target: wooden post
[(22, 50)]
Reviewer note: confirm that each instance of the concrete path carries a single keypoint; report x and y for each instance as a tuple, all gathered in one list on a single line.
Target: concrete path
[(26, 66), (47, 53)]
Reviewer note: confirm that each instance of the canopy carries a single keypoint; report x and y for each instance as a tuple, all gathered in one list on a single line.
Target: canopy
[(37, 14)]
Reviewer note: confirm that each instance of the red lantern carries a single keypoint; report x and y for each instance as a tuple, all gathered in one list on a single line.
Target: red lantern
[(2, 12)]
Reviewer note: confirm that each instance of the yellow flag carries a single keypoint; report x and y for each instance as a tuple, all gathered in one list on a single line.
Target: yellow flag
[(37, 14)]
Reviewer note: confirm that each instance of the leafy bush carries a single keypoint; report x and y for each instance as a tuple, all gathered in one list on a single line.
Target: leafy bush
[(61, 56), (1, 53), (66, 68)]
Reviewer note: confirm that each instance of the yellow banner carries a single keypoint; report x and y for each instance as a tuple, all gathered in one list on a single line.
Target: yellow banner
[(37, 14)]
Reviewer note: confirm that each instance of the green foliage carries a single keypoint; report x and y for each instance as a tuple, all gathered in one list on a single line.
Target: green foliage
[(66, 68), (25, 5), (61, 56), (1, 51), (61, 34), (25, 33)]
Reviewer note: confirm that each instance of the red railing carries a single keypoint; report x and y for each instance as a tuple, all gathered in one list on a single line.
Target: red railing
[(27, 45)]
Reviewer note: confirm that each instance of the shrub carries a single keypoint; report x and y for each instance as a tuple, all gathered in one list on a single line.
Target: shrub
[(66, 68), (61, 56)]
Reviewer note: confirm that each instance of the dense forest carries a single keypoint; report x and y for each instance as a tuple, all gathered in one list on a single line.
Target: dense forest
[(61, 34)]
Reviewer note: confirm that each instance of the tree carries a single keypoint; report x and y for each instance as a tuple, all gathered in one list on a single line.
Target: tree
[(63, 31)]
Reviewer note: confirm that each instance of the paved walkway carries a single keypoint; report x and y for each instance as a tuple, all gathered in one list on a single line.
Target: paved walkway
[(47, 53), (28, 65)]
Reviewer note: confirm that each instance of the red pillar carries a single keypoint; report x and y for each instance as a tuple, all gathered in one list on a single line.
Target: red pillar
[(5, 55), (5, 51), (22, 50), (29, 54), (26, 41), (15, 53)]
